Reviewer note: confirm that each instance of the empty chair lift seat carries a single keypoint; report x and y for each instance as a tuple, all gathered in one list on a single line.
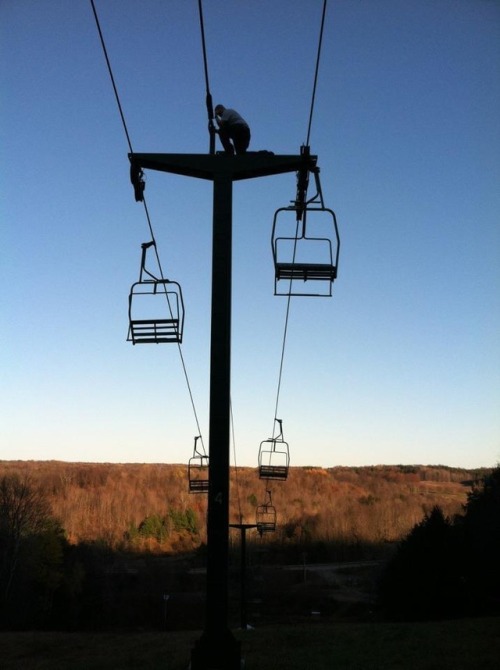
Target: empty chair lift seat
[(306, 271), (305, 251), (155, 307), (274, 459), (265, 516), (198, 473), (155, 312), (198, 476)]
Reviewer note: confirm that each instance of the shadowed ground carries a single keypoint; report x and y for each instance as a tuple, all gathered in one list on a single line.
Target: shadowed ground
[(466, 644)]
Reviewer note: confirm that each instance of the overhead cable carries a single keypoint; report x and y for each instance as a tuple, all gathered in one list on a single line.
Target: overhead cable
[(320, 41), (150, 225), (316, 72), (208, 98)]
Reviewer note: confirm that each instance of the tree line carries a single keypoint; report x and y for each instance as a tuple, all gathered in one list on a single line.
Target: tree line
[(68, 531), (448, 566), (114, 503)]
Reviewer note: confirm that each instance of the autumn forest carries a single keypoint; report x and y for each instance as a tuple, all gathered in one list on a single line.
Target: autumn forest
[(121, 505), (94, 545)]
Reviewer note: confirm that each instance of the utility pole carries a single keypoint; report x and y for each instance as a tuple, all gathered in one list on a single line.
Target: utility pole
[(243, 527), (217, 649)]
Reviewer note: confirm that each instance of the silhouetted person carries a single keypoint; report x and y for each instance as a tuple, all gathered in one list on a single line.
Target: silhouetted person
[(232, 128)]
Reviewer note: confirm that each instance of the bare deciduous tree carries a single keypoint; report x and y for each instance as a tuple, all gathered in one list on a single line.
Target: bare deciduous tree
[(24, 511)]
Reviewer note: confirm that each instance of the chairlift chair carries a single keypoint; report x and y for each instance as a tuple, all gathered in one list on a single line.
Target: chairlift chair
[(265, 516), (198, 470), (156, 308), (274, 457), (305, 245)]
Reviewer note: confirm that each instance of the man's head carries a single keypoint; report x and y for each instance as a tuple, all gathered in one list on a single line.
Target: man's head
[(219, 109)]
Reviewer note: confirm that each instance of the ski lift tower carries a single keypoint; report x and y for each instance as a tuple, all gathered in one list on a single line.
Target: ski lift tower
[(217, 647)]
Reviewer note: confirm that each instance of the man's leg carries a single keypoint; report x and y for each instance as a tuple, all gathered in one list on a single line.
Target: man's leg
[(241, 138), (226, 142)]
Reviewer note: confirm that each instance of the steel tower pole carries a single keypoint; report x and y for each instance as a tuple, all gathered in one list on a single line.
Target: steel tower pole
[(217, 648)]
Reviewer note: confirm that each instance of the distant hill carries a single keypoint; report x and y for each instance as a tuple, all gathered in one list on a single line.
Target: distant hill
[(148, 506)]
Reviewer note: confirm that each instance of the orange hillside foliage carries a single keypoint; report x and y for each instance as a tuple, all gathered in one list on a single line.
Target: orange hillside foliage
[(109, 502)]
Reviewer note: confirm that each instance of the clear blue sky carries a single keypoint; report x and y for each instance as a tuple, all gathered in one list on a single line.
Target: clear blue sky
[(402, 365)]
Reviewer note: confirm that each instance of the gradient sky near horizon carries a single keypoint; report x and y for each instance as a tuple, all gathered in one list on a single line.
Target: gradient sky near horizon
[(400, 366)]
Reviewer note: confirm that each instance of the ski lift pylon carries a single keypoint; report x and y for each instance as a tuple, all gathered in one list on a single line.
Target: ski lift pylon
[(274, 456), (265, 516), (305, 243), (156, 308), (198, 470)]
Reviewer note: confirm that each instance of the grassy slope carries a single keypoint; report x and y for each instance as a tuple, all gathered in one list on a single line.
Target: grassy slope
[(469, 644)]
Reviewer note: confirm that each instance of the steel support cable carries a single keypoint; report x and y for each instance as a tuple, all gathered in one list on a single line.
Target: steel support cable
[(211, 128), (236, 473), (316, 72), (282, 359), (208, 98), (122, 116), (111, 75), (150, 225), (285, 333), (313, 97)]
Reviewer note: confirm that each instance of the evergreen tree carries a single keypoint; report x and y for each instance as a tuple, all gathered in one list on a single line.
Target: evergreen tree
[(449, 568), (481, 537), (422, 581)]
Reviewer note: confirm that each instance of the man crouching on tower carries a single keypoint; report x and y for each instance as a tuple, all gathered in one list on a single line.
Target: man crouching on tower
[(233, 130)]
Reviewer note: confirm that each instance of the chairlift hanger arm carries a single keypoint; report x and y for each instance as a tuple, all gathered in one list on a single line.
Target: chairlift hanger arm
[(196, 451), (301, 200), (145, 246), (302, 183), (279, 436), (319, 191)]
